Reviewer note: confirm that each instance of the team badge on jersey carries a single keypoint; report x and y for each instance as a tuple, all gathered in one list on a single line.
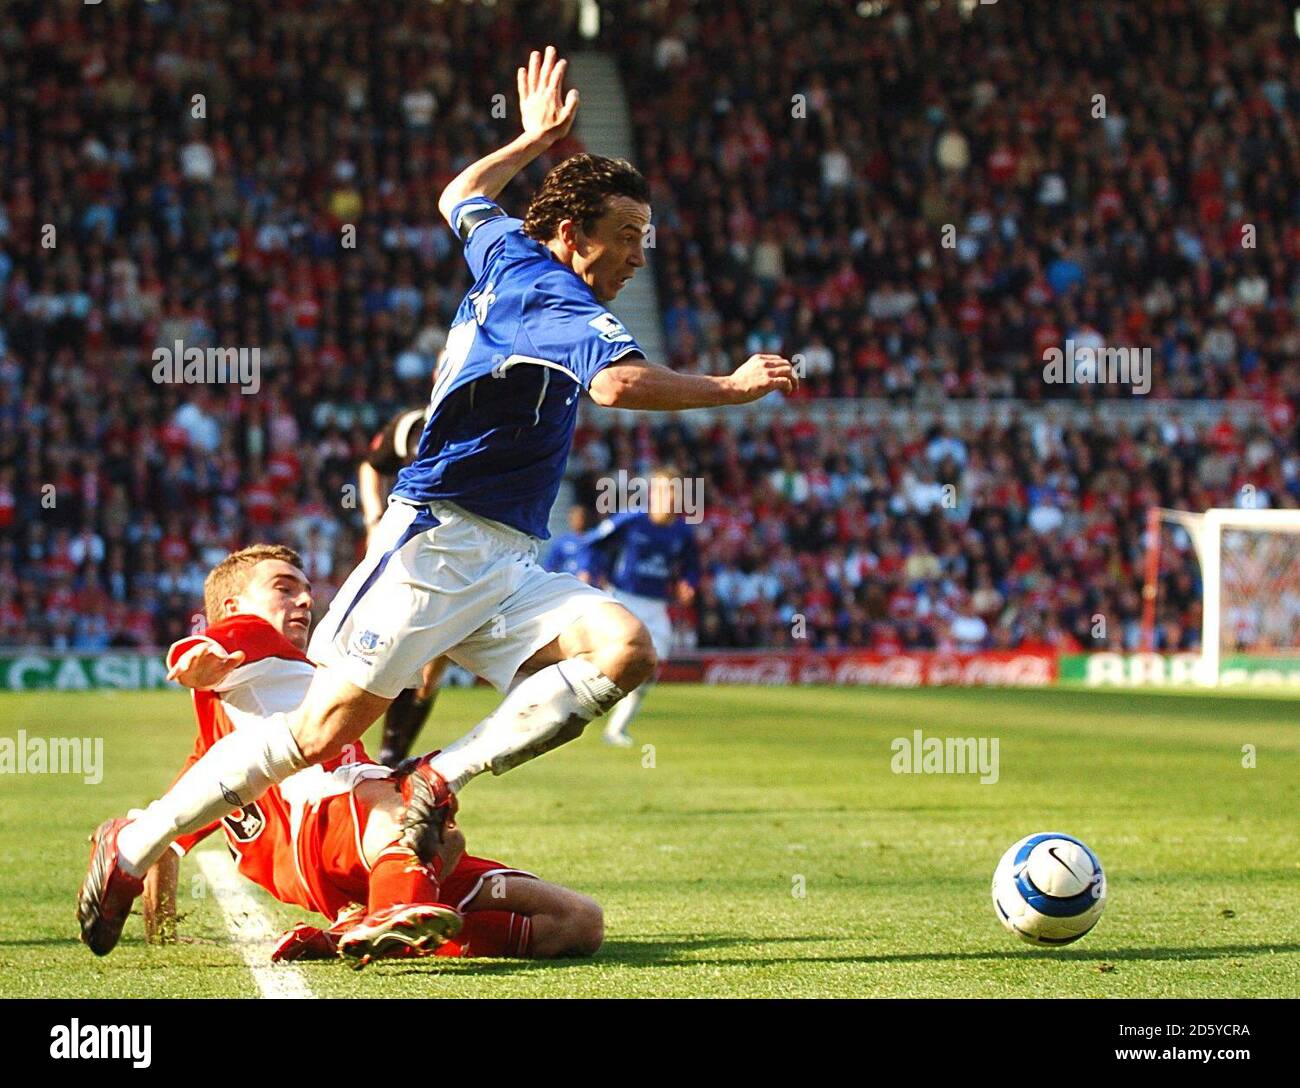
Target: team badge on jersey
[(611, 329), (246, 823), (368, 642)]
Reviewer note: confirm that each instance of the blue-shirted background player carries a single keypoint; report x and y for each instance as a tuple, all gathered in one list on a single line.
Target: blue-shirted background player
[(651, 560), (575, 552), (452, 565)]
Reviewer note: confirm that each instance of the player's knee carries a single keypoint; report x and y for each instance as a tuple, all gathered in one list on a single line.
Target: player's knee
[(631, 660), (584, 927), (646, 657)]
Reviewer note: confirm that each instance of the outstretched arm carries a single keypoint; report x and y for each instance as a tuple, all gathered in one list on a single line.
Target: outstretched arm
[(201, 663), (649, 387), (547, 116)]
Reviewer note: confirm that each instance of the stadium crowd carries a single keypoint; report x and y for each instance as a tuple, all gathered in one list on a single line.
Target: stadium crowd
[(929, 537), (134, 214), (918, 204)]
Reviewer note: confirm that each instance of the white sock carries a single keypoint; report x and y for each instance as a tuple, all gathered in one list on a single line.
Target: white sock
[(549, 708), (234, 772), (621, 716)]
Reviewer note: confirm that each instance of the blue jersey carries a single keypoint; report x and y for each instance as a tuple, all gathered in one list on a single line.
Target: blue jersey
[(573, 553), (526, 341), (648, 559)]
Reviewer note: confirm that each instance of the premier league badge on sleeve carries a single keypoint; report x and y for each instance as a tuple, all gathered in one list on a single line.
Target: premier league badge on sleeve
[(610, 329)]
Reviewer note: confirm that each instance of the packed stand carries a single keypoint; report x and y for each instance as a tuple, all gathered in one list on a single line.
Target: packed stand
[(221, 221), (929, 537), (134, 214), (919, 204)]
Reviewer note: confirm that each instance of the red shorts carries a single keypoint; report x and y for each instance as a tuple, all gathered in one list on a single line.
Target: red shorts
[(469, 878), (328, 855), (333, 870)]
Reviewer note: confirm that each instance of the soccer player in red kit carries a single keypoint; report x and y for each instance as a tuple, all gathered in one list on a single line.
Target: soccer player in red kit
[(330, 837)]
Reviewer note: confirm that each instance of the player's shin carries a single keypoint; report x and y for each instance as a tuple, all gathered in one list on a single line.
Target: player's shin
[(398, 876), (234, 772), (542, 712)]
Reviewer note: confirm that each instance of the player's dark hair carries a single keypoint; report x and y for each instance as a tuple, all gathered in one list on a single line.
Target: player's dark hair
[(577, 189), (229, 577)]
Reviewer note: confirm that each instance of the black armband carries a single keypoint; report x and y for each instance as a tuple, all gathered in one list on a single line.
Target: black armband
[(472, 217)]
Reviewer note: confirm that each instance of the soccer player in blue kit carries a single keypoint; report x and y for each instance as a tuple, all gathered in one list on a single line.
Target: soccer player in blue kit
[(652, 559), (452, 566), (574, 552)]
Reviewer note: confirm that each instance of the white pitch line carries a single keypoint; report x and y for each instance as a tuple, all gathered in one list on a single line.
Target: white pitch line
[(250, 928)]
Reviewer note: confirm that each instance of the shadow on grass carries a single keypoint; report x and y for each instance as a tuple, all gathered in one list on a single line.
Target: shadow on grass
[(681, 951), (668, 953), (674, 952)]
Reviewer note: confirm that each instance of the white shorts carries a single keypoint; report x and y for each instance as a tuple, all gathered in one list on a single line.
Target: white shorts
[(654, 614), (440, 580)]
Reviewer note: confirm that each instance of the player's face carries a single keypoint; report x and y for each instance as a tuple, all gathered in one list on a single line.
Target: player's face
[(608, 257), (280, 593), (662, 508)]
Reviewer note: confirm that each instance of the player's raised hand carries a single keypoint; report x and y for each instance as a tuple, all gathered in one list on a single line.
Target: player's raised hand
[(762, 374), (547, 112), (204, 666)]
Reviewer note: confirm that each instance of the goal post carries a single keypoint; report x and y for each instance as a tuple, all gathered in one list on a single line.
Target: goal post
[(1249, 564)]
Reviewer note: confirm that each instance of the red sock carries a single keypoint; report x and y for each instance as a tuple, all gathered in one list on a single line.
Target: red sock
[(491, 933), (398, 876)]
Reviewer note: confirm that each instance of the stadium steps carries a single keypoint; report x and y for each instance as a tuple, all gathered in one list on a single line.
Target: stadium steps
[(605, 128)]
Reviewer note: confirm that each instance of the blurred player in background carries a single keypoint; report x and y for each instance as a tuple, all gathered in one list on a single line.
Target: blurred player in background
[(391, 450), (652, 560), (573, 552)]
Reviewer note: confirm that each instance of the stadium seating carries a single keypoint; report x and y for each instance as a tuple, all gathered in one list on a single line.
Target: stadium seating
[(823, 189), (803, 211)]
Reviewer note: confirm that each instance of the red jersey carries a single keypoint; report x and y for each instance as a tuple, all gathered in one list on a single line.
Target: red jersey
[(275, 840)]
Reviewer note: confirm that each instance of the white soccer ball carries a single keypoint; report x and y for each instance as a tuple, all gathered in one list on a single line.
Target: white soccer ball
[(1049, 889)]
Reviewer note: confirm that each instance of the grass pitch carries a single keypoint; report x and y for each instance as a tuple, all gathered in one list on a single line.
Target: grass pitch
[(762, 848)]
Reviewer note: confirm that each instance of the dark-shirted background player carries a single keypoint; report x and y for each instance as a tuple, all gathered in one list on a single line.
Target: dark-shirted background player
[(391, 450)]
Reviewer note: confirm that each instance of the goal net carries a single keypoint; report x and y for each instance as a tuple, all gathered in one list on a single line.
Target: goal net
[(1247, 563)]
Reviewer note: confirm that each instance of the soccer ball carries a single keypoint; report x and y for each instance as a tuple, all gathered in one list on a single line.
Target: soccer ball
[(1049, 889)]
